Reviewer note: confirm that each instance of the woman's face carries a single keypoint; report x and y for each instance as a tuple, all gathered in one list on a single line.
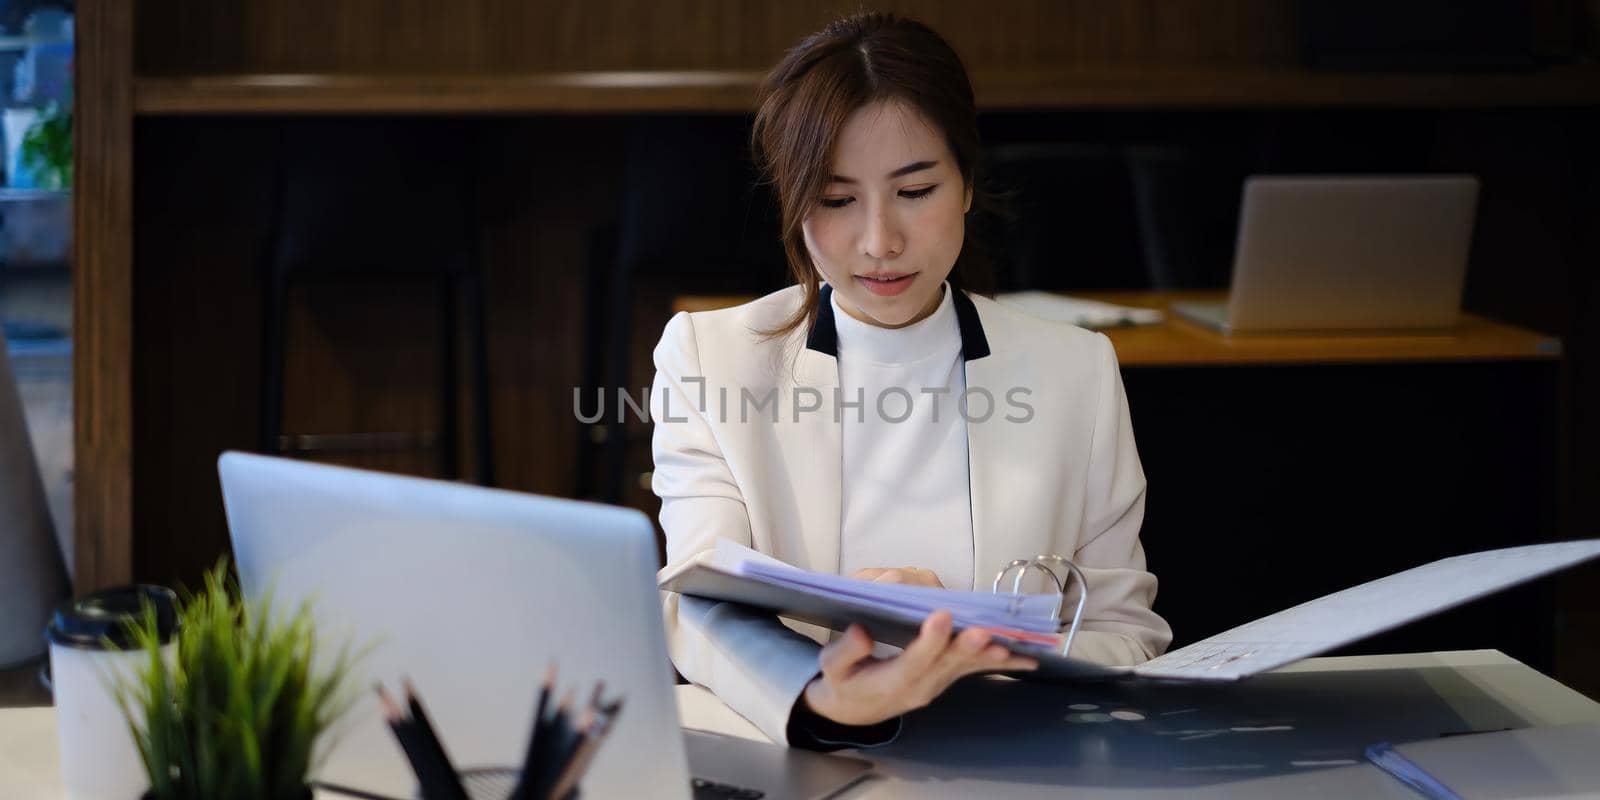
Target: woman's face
[(888, 227)]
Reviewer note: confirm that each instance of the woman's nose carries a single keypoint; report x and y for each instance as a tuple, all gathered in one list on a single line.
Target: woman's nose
[(882, 238)]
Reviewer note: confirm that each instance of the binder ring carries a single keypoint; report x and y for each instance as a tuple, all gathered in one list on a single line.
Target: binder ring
[(1083, 594), (1043, 564), (1016, 599)]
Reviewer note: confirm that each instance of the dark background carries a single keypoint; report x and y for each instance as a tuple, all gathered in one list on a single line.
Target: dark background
[(593, 209)]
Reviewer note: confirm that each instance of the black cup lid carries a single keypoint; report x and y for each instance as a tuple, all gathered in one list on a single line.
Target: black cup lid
[(89, 621)]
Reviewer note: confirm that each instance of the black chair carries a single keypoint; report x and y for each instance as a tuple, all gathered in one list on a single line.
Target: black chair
[(379, 202), (1074, 224), (1091, 216), (692, 219), (1187, 210)]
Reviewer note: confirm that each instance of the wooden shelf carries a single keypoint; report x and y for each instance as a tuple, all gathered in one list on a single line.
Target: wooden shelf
[(1212, 88), (734, 91), (1180, 343), (565, 92)]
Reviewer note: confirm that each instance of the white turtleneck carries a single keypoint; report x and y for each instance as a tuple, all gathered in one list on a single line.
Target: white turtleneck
[(906, 500)]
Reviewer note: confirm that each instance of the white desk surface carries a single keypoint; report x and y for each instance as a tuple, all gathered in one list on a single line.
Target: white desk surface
[(1464, 690)]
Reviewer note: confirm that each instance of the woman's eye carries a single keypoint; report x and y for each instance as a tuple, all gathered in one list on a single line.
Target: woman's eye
[(909, 194)]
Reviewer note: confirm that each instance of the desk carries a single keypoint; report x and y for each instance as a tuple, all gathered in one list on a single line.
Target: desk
[(1304, 729), (1333, 707), (1181, 343)]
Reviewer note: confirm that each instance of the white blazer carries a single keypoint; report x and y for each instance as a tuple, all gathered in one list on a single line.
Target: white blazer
[(1064, 479)]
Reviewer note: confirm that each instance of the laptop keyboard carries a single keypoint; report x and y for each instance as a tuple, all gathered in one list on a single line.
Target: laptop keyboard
[(711, 790)]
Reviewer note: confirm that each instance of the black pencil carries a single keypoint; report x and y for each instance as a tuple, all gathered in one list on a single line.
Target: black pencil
[(422, 760), (568, 775), (569, 768), (591, 739), (446, 785), (561, 765), (536, 736), (558, 734)]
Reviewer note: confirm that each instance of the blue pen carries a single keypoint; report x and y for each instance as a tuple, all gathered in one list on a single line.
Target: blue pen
[(1408, 772)]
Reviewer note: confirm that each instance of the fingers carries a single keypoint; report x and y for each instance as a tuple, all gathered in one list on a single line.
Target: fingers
[(920, 673), (972, 652), (997, 657), (925, 650), (911, 576), (1020, 664), (925, 577), (840, 657), (926, 664), (964, 656)]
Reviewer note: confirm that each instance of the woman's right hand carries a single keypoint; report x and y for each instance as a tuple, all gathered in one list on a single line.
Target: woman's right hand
[(857, 689)]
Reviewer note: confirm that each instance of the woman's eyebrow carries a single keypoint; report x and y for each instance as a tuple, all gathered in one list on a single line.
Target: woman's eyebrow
[(915, 166)]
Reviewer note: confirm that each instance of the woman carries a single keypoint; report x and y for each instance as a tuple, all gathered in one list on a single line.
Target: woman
[(877, 421)]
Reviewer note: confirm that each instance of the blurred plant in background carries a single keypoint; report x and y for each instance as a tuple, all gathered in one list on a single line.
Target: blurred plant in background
[(47, 148)]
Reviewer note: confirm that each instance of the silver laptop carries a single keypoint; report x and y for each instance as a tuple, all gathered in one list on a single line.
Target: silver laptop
[(470, 592), (1361, 253)]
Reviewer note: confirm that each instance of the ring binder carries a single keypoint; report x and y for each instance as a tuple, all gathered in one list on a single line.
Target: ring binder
[(894, 614), (1042, 563)]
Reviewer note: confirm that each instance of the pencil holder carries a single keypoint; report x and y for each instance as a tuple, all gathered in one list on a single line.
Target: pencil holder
[(561, 745), (495, 783)]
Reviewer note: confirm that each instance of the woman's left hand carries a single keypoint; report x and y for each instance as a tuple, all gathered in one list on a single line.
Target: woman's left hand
[(911, 576)]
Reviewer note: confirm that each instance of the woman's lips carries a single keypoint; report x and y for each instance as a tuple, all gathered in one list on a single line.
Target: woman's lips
[(886, 286)]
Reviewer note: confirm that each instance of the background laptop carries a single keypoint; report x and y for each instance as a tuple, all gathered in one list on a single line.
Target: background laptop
[(470, 592), (1369, 253)]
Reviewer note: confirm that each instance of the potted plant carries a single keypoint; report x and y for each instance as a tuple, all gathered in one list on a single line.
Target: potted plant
[(47, 148), (239, 709)]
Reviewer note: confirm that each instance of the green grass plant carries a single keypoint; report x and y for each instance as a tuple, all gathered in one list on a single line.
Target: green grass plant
[(239, 711)]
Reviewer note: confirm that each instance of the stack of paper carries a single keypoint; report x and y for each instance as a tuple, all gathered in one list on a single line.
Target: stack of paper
[(1029, 618), (1552, 762), (1091, 314), (1407, 772), (1353, 614)]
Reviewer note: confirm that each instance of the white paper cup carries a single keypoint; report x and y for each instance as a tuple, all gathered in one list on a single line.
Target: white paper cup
[(99, 759)]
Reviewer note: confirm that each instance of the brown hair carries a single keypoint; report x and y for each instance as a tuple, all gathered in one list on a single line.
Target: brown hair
[(804, 102)]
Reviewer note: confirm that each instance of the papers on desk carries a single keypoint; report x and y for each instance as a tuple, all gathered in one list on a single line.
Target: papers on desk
[(1550, 762), (1385, 757), (737, 574), (1091, 314), (1348, 616)]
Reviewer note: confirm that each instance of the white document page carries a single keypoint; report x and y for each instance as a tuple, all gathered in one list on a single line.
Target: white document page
[(1548, 762), (1353, 614), (1091, 314), (1034, 613)]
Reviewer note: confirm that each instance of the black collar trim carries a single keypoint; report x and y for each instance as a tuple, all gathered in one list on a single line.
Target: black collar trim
[(824, 335)]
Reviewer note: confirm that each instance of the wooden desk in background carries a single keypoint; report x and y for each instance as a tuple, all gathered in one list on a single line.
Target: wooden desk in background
[(1180, 343), (1284, 467)]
